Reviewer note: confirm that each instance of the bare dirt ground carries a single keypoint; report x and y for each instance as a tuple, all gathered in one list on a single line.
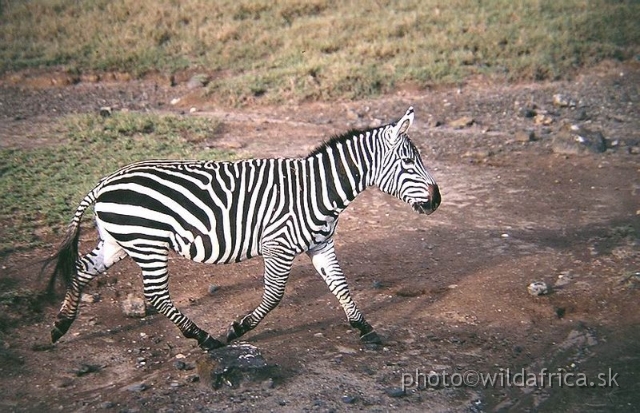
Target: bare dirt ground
[(447, 293)]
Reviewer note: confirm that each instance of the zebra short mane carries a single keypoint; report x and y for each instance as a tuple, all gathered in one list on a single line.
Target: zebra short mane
[(333, 141)]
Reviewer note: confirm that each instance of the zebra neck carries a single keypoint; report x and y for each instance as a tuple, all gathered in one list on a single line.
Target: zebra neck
[(339, 173)]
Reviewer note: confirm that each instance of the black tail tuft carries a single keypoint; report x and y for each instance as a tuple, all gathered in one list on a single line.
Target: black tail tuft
[(65, 261)]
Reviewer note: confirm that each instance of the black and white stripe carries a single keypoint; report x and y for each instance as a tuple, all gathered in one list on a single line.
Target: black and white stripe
[(222, 212)]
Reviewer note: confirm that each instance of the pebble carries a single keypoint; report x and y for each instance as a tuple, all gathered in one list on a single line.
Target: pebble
[(134, 306), (537, 288), (525, 136), (90, 298), (105, 111), (213, 288), (563, 101), (86, 369), (198, 81), (137, 387), (462, 122), (348, 399), (346, 350), (395, 392), (576, 140)]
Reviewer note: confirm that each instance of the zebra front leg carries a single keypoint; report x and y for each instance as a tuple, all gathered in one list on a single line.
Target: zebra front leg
[(86, 268), (326, 263), (155, 278), (276, 274)]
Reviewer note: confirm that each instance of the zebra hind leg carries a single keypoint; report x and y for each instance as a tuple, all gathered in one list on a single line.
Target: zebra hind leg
[(87, 267), (156, 291)]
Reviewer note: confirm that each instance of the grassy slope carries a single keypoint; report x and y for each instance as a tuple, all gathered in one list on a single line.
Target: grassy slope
[(319, 49), (40, 188)]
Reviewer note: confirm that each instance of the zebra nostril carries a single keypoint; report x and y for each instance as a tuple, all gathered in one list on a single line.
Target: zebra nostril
[(434, 193)]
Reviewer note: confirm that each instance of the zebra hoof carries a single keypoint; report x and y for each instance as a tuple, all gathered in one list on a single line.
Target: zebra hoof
[(235, 331), (371, 338), (56, 334), (210, 343), (60, 328)]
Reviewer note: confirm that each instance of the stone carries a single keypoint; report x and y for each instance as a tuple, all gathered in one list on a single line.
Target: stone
[(525, 136), (134, 306), (136, 387), (90, 298), (198, 81), (563, 101), (575, 140), (348, 399), (234, 365), (105, 111), (537, 288), (395, 392), (527, 112), (87, 369), (462, 122), (213, 288), (542, 119)]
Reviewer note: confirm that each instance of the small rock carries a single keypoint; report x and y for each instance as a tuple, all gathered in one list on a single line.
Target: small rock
[(319, 335), (86, 369), (193, 109), (175, 101), (527, 112), (180, 365), (395, 392), (107, 405), (268, 384), (435, 123), (576, 140), (136, 387), (525, 136), (462, 122), (213, 288), (478, 154), (105, 111), (537, 288), (563, 279), (542, 119), (582, 115), (346, 350), (90, 298), (198, 81), (377, 285), (134, 306), (232, 365), (348, 399), (563, 101)]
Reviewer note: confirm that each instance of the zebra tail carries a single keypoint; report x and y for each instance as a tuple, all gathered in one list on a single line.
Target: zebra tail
[(67, 255)]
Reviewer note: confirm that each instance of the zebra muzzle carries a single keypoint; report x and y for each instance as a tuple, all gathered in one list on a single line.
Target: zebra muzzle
[(427, 207)]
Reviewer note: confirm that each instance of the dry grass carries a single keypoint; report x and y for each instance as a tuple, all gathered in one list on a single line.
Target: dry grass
[(319, 49)]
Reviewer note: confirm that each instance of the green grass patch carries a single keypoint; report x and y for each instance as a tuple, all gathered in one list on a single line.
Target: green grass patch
[(320, 49), (41, 187)]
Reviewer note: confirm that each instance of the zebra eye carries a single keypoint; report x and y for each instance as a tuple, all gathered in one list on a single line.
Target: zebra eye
[(408, 161)]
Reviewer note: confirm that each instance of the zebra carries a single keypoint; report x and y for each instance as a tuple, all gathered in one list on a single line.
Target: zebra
[(224, 212)]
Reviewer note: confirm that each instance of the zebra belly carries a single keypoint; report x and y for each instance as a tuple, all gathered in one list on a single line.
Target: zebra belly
[(208, 249)]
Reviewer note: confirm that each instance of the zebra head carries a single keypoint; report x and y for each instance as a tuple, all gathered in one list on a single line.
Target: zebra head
[(402, 173)]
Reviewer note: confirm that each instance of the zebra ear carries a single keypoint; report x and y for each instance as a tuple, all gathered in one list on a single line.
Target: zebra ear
[(401, 127)]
